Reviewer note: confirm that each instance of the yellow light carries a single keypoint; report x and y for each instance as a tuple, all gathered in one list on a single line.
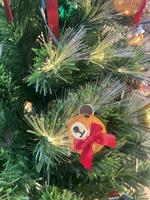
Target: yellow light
[(127, 12), (121, 70), (56, 141), (148, 116), (48, 67), (142, 68), (97, 57)]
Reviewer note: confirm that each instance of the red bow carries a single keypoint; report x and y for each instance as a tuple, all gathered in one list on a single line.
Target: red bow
[(139, 14), (8, 10), (96, 136)]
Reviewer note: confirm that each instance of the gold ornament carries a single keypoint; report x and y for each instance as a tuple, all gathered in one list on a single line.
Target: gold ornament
[(136, 40), (128, 7)]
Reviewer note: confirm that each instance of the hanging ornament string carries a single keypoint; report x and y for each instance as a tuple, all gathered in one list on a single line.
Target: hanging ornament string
[(52, 20), (8, 11), (139, 14)]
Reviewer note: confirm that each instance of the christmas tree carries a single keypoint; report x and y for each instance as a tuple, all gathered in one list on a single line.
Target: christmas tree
[(55, 59)]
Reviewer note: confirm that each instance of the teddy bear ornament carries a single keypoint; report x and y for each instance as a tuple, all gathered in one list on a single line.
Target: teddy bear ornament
[(88, 135)]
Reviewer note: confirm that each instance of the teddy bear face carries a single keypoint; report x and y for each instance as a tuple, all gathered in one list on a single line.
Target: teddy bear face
[(79, 127)]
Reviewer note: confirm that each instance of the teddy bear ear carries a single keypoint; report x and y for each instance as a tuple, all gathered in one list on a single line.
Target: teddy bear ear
[(86, 110)]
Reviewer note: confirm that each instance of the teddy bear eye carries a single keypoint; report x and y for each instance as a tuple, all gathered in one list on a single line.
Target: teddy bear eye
[(76, 129), (79, 131)]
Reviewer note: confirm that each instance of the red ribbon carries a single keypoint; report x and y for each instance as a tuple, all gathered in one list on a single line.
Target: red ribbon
[(53, 16), (8, 11), (139, 14), (96, 136), (112, 195)]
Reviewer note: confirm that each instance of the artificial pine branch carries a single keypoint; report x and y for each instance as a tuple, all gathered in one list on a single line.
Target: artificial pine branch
[(54, 193), (53, 65), (53, 145), (95, 12)]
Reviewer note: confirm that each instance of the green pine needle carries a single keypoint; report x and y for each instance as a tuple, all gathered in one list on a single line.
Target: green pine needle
[(53, 193)]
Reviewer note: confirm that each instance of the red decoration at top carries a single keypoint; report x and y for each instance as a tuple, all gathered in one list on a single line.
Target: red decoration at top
[(8, 11), (139, 14), (53, 16)]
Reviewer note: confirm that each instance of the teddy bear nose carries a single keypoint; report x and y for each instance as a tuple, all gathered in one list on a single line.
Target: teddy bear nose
[(76, 129)]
